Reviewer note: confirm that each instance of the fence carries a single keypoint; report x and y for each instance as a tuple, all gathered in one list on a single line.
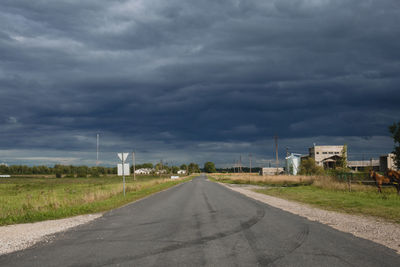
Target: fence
[(356, 178)]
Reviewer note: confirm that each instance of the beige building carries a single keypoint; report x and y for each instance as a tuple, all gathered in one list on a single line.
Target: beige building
[(271, 171), (362, 165), (387, 162), (326, 156)]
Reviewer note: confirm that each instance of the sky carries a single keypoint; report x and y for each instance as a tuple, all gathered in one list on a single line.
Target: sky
[(194, 81)]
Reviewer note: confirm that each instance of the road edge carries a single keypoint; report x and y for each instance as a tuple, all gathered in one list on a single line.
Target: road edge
[(45, 231), (375, 230)]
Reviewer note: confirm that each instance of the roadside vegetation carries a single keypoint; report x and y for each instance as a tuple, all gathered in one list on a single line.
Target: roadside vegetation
[(30, 199), (256, 179), (326, 192), (329, 194)]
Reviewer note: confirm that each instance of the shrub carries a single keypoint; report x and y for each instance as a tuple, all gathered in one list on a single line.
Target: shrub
[(309, 167)]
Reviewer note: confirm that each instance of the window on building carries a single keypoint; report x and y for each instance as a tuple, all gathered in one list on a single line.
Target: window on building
[(324, 152), (317, 152), (330, 152), (336, 152)]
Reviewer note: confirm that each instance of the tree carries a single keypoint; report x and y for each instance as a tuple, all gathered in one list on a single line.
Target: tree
[(175, 169), (183, 167), (309, 167), (395, 131), (209, 167), (82, 171), (94, 172), (147, 166), (193, 168), (342, 161)]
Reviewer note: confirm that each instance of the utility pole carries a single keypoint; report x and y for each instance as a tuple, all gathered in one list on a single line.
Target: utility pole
[(240, 164), (363, 161), (123, 171), (133, 164), (250, 162), (97, 151), (276, 153), (287, 162)]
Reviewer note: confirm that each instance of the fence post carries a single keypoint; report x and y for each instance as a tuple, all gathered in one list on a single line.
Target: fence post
[(349, 181)]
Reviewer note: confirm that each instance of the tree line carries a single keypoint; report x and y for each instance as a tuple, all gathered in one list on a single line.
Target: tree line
[(95, 171)]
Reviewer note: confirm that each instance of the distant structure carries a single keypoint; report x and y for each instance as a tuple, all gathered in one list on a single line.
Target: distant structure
[(271, 171), (144, 171), (326, 156), (293, 163), (387, 162), (4, 164), (363, 165), (181, 172)]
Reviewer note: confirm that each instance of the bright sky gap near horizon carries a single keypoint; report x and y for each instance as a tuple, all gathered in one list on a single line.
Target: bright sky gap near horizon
[(195, 81)]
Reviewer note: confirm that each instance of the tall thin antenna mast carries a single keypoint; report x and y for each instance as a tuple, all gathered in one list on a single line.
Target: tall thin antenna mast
[(276, 153), (250, 162), (97, 151), (240, 163)]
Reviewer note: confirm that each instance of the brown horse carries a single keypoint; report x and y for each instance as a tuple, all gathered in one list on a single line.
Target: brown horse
[(394, 177), (379, 179)]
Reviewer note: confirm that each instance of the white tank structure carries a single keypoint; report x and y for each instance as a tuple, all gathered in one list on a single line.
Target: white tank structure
[(293, 163)]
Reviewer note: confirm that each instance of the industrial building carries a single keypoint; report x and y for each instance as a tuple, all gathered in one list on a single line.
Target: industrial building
[(326, 156), (362, 165), (387, 162), (382, 164), (271, 171)]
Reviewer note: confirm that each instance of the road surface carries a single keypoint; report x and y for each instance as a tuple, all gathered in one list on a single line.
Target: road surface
[(203, 223)]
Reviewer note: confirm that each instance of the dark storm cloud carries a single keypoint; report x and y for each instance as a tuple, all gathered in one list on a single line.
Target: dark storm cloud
[(190, 76)]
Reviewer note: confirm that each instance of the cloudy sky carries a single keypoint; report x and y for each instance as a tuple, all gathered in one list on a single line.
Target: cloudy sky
[(189, 80)]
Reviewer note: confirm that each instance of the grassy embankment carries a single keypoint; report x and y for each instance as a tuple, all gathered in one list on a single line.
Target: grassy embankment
[(256, 179), (35, 199), (324, 192)]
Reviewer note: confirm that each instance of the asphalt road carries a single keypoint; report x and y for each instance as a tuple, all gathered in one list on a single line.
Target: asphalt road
[(203, 223)]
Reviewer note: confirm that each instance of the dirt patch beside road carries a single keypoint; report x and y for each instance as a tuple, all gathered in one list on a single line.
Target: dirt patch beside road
[(20, 236)]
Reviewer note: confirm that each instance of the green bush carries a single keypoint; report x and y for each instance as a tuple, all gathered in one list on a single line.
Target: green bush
[(309, 167)]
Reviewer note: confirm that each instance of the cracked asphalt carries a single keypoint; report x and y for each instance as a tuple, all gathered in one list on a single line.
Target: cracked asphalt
[(201, 223)]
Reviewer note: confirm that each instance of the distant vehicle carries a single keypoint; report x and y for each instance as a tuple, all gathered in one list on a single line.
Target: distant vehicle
[(5, 176)]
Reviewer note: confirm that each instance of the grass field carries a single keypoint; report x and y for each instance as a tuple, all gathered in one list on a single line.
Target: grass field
[(324, 192), (256, 179), (35, 199)]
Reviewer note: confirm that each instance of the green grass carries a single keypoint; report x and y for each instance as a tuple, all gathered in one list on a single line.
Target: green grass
[(25, 200), (365, 201)]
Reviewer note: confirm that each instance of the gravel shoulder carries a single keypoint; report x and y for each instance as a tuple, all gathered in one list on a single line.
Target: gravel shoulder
[(20, 236), (376, 230)]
